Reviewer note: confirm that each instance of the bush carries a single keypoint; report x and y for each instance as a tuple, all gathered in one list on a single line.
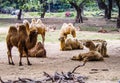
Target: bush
[(60, 10)]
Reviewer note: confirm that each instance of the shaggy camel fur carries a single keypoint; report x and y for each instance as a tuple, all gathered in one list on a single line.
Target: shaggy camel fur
[(90, 44), (41, 28), (37, 51), (21, 40), (27, 24), (101, 46), (67, 29), (70, 44), (33, 23), (89, 56)]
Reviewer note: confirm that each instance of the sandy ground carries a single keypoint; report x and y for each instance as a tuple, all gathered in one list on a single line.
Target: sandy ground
[(58, 61)]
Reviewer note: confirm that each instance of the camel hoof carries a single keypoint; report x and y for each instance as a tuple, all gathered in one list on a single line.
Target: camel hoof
[(29, 64), (20, 64), (12, 63)]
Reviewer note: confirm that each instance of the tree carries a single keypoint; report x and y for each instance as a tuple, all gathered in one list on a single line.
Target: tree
[(110, 2), (17, 4), (78, 5), (118, 4), (102, 5), (43, 7), (20, 4), (108, 7)]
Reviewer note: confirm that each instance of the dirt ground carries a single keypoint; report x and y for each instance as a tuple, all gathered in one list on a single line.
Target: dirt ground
[(108, 71)]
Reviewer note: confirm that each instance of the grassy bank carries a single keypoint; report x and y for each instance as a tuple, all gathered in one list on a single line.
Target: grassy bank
[(52, 37)]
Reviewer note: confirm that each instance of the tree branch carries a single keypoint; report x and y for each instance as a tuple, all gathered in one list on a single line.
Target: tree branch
[(82, 3), (73, 4), (79, 66)]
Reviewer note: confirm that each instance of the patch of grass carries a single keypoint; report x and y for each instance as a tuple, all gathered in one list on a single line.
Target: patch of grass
[(59, 15), (6, 16), (52, 37), (37, 15), (95, 35), (56, 14), (31, 15), (87, 28)]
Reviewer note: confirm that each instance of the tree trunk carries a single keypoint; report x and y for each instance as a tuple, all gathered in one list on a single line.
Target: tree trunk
[(19, 14), (43, 13), (106, 13), (109, 9), (118, 4), (44, 2), (78, 18), (103, 6)]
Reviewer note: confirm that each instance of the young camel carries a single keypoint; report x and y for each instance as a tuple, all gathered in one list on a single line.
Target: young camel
[(101, 46), (21, 40), (67, 29), (37, 51), (41, 28), (89, 56)]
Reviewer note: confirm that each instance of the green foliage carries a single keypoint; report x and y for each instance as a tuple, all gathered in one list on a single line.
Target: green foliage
[(80, 35), (5, 4), (56, 6), (31, 5)]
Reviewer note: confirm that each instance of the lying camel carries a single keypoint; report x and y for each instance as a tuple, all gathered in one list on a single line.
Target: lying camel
[(70, 44), (101, 46), (89, 56), (37, 51)]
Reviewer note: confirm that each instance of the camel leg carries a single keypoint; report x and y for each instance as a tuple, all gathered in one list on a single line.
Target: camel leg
[(20, 48), (20, 62), (10, 60), (43, 38), (28, 59), (26, 51)]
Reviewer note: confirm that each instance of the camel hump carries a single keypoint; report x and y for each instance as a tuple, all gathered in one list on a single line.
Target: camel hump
[(26, 23), (22, 29), (12, 29)]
